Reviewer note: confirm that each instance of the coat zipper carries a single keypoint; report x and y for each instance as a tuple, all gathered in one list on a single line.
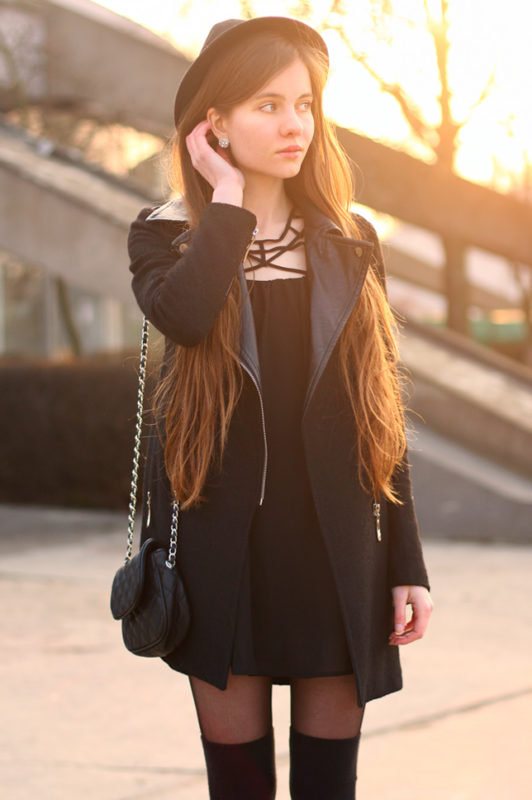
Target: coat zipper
[(255, 231), (265, 463), (148, 501), (377, 513)]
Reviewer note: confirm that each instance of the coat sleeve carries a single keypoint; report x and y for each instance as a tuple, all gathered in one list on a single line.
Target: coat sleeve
[(407, 566), (182, 293)]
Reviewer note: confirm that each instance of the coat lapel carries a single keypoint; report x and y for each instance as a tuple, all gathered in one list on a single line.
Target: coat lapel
[(249, 352), (337, 267)]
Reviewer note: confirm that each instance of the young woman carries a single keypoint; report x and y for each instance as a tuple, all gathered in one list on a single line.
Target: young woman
[(279, 425)]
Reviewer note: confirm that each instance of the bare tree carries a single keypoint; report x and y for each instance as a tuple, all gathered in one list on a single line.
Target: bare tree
[(522, 188), (441, 140)]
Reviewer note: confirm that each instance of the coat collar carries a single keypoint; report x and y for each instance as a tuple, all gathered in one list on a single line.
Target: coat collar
[(337, 267), (174, 209)]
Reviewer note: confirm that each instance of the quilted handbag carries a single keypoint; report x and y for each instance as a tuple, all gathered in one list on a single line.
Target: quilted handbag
[(147, 593)]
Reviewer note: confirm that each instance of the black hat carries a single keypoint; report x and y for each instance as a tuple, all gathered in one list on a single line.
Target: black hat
[(226, 33)]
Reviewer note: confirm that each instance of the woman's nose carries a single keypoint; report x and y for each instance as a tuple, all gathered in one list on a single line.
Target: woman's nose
[(291, 122)]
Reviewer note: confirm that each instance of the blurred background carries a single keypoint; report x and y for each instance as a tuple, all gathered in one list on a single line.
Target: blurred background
[(431, 99)]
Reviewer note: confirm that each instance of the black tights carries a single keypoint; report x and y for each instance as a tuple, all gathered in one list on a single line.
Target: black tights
[(324, 707), (237, 737)]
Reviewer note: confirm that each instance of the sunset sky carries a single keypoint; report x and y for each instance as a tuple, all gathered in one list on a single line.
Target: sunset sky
[(486, 37)]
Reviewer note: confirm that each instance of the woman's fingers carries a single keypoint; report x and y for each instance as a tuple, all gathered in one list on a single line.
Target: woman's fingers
[(213, 164), (422, 607), (400, 599), (194, 141), (410, 634), (198, 135), (201, 151)]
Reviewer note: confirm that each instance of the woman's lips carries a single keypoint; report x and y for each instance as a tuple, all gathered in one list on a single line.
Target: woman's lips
[(292, 152)]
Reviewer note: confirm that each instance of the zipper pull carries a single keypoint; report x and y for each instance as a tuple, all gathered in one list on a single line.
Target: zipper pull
[(148, 500), (256, 230), (377, 514)]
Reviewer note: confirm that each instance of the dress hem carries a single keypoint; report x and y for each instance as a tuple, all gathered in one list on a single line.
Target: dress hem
[(284, 679)]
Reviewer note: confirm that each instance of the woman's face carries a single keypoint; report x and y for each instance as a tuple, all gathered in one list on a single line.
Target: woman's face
[(277, 117)]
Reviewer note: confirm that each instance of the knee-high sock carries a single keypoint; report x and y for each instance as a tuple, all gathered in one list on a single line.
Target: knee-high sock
[(322, 769), (243, 770)]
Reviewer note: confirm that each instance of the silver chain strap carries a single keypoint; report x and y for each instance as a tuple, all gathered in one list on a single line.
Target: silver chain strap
[(170, 562)]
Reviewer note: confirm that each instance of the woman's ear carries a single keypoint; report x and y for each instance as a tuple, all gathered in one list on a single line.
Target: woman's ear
[(217, 122)]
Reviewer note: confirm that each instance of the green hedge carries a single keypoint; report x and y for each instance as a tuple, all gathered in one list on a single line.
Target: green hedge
[(67, 431)]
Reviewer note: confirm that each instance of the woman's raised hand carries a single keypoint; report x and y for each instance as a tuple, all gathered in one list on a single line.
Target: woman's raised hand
[(214, 165)]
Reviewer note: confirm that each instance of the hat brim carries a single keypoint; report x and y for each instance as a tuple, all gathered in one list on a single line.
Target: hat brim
[(293, 29)]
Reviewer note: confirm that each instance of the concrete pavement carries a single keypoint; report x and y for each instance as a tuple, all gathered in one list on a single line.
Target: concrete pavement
[(83, 718)]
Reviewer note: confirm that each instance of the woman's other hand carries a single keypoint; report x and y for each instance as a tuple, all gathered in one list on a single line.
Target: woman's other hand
[(422, 606), (213, 164)]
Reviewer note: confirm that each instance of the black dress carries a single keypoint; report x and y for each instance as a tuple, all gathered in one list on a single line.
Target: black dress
[(289, 622)]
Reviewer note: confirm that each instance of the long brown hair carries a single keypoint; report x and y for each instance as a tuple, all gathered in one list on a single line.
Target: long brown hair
[(197, 396)]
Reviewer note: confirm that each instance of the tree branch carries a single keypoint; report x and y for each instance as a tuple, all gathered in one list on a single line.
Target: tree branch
[(410, 112)]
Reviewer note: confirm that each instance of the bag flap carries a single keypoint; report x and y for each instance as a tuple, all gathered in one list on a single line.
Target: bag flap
[(128, 582)]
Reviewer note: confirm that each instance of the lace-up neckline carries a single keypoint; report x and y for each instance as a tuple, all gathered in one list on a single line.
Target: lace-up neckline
[(264, 252)]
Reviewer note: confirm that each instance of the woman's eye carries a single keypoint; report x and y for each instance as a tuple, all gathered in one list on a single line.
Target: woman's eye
[(271, 106)]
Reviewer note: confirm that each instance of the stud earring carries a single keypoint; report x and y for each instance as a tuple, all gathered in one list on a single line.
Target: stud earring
[(223, 141)]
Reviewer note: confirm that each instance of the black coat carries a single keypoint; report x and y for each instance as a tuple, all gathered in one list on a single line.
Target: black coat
[(181, 282)]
